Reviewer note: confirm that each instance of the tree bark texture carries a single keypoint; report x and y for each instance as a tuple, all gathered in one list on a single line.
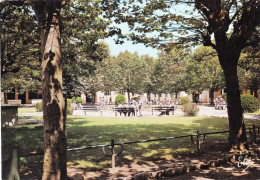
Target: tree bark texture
[(55, 141), (219, 18), (237, 135)]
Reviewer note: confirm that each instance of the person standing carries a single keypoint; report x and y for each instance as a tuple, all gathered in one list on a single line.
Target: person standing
[(110, 100), (216, 102), (139, 106), (106, 103), (100, 103)]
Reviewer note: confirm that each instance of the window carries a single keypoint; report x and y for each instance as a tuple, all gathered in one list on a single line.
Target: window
[(107, 93), (122, 92)]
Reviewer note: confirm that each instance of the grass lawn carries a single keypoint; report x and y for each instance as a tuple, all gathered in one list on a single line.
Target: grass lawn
[(85, 131), (256, 113)]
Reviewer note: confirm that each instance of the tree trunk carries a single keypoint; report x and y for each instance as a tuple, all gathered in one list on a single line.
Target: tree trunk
[(149, 96), (55, 141), (237, 135), (5, 98), (255, 92), (93, 98), (128, 95), (211, 96)]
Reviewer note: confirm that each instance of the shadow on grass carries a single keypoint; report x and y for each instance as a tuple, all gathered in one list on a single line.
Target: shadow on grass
[(135, 153), (86, 131)]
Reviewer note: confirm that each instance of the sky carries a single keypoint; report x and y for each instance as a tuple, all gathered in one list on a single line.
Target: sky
[(115, 49)]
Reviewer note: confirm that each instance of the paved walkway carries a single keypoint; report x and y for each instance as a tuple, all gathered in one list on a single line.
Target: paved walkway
[(204, 111), (211, 111)]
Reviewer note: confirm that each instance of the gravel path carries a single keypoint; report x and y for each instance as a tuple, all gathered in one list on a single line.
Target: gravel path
[(204, 111)]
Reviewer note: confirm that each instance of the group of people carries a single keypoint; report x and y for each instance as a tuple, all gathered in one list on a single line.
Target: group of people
[(170, 107), (103, 102), (219, 103), (168, 102), (135, 105)]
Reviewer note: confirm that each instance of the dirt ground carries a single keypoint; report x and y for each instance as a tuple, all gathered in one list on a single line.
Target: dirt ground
[(245, 166), (228, 170)]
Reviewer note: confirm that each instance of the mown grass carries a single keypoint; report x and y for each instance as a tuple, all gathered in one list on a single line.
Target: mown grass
[(255, 113), (85, 131)]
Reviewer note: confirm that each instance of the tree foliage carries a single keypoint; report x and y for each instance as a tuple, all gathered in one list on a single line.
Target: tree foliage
[(169, 73), (127, 72), (248, 70), (204, 71), (84, 27), (20, 52), (227, 26), (148, 81), (131, 72)]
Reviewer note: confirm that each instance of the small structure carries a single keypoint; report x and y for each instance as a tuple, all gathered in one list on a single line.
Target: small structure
[(9, 114)]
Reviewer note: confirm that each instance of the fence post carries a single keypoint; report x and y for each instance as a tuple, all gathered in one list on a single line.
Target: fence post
[(10, 163), (198, 142), (113, 153)]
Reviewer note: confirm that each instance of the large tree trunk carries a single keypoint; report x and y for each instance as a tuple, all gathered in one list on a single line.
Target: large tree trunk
[(237, 135), (93, 100), (149, 96), (211, 96), (55, 142)]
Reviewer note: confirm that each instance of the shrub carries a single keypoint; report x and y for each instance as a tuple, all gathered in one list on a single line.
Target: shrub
[(184, 100), (190, 109), (136, 99), (249, 103), (38, 106), (120, 99), (69, 107), (77, 99)]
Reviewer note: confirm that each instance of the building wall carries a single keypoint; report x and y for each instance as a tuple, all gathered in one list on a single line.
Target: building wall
[(83, 97), (205, 96), (101, 95), (153, 97)]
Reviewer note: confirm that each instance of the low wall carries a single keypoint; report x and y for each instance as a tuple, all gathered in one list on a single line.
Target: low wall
[(14, 101)]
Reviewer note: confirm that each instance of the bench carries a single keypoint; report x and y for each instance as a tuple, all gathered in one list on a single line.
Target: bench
[(125, 110), (90, 109), (163, 110), (199, 102), (221, 106)]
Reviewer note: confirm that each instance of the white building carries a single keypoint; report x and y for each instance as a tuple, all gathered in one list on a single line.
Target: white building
[(110, 96)]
